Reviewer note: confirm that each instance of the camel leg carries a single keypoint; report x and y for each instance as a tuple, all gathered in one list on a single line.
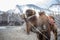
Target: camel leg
[(39, 36), (55, 32), (54, 29), (28, 28)]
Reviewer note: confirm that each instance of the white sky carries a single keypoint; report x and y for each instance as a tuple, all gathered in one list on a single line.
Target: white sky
[(10, 4)]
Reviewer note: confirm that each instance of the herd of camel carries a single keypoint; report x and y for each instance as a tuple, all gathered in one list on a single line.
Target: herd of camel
[(43, 24)]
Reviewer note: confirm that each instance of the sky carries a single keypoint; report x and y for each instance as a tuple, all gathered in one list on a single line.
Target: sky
[(11, 4)]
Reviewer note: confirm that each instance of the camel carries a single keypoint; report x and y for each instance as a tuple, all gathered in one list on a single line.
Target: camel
[(44, 23)]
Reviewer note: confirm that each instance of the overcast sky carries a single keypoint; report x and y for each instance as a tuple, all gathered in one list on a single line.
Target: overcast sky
[(11, 4)]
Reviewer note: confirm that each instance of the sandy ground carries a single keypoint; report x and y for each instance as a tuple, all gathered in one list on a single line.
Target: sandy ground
[(17, 33)]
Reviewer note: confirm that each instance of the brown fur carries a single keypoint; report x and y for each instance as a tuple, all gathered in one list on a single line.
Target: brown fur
[(30, 12), (33, 20), (40, 22), (53, 26), (43, 20), (50, 27)]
